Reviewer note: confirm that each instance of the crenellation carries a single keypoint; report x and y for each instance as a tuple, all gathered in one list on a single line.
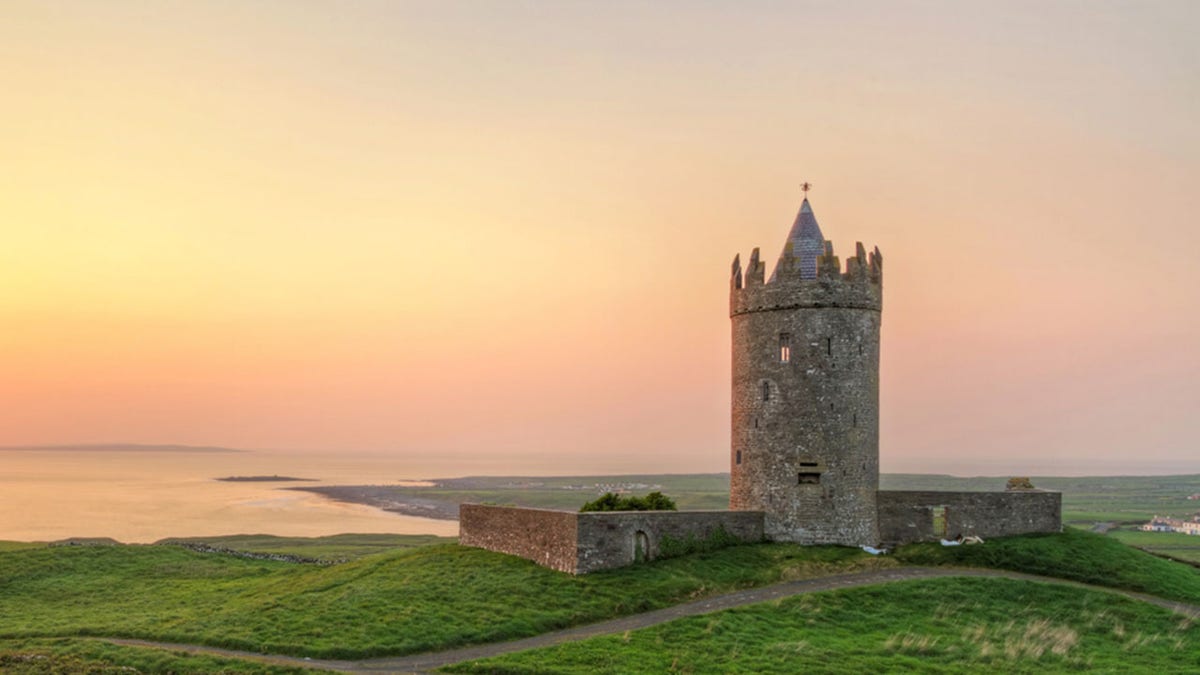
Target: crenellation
[(828, 266), (736, 278), (756, 270), (856, 267), (786, 268)]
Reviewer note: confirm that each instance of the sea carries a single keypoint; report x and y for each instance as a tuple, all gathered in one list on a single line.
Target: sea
[(139, 495)]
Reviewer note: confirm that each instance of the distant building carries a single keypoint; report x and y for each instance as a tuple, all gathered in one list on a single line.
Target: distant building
[(1160, 524)]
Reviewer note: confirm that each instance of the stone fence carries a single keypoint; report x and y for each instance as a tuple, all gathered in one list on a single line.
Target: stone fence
[(908, 516), (579, 543)]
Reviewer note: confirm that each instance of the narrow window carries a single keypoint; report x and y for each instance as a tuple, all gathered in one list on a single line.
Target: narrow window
[(755, 422), (785, 347), (739, 456), (855, 419), (766, 391), (810, 474), (829, 346)]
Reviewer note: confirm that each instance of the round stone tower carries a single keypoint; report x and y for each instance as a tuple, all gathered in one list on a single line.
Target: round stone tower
[(805, 444)]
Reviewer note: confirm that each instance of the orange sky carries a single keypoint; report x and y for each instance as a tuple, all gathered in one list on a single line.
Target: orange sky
[(505, 228)]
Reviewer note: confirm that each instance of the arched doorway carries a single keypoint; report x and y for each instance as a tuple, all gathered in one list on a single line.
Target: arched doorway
[(641, 546)]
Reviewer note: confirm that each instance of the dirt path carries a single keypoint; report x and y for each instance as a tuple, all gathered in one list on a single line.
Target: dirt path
[(424, 662)]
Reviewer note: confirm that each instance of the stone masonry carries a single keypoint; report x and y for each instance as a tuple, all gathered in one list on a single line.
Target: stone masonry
[(547, 537), (579, 543), (908, 516)]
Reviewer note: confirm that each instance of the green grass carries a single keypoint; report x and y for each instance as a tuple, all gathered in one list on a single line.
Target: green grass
[(1073, 554), (1174, 544), (1085, 519), (71, 656), (940, 625), (422, 599), (18, 546), (334, 547)]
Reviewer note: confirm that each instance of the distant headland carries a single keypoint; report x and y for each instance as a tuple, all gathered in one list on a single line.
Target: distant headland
[(118, 447), (265, 479)]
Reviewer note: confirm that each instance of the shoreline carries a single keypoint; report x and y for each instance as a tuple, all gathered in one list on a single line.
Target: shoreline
[(384, 497)]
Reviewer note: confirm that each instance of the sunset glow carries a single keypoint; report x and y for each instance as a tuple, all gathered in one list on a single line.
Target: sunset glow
[(500, 233)]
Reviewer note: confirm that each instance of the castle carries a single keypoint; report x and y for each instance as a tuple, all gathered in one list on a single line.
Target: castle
[(804, 453)]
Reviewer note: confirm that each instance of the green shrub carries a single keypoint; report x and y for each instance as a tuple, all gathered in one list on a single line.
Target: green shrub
[(655, 501)]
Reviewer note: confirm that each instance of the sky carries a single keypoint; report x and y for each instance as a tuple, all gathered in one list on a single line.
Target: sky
[(499, 233)]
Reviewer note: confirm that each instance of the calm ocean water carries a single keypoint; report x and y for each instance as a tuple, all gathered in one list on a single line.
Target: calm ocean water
[(144, 496)]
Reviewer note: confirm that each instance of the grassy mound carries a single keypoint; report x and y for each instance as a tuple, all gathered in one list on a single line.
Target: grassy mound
[(71, 657), (933, 626), (1073, 554), (422, 599)]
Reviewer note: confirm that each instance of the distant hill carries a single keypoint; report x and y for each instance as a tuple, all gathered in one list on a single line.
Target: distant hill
[(119, 447)]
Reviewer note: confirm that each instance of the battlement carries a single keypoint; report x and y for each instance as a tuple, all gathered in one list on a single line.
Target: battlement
[(858, 286)]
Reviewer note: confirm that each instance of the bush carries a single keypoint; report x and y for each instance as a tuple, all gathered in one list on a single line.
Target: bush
[(655, 501), (1019, 483)]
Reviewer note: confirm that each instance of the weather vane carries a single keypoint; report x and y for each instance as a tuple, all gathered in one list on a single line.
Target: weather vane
[(806, 186)]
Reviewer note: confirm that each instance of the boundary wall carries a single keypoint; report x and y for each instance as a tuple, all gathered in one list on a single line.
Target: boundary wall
[(579, 543), (548, 538), (907, 516)]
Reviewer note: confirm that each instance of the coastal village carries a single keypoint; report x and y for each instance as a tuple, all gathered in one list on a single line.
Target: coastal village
[(1161, 524)]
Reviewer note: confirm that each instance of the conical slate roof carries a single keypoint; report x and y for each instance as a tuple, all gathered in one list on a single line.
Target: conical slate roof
[(806, 241)]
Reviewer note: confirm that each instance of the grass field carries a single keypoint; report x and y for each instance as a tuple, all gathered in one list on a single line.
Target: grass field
[(690, 491), (6, 546), (1086, 500), (940, 625), (334, 547), (64, 656), (1173, 544), (1074, 554), (422, 599), (440, 596)]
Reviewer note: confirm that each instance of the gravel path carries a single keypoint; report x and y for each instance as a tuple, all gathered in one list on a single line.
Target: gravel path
[(424, 662)]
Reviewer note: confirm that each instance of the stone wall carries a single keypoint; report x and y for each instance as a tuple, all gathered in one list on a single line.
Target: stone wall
[(610, 539), (908, 516), (579, 543), (548, 538)]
